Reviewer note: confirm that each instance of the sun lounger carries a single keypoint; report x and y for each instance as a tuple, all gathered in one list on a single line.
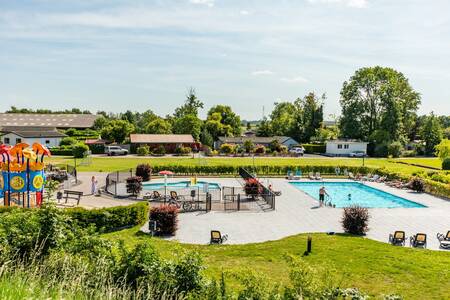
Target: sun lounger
[(217, 237), (298, 175), (289, 175), (444, 240), (374, 178), (351, 176), (398, 238), (317, 176), (418, 240), (311, 176)]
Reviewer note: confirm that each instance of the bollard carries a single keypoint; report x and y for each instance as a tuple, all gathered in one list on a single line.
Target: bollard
[(309, 247)]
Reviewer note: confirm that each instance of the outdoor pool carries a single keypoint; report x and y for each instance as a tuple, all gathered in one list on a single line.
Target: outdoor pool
[(360, 194), (180, 185)]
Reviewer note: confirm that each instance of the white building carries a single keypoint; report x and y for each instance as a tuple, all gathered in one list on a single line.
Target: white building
[(344, 148), (47, 136)]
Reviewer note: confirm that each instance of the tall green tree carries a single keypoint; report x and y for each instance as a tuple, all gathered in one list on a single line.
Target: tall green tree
[(188, 124), (117, 130), (283, 118), (431, 134), (191, 105), (227, 117), (378, 98), (264, 128), (159, 126)]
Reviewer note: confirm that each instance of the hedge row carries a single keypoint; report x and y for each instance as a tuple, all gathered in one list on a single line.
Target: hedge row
[(111, 218), (314, 148), (263, 170), (61, 151)]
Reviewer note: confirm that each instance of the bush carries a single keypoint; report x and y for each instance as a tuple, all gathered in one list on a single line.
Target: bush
[(61, 151), (207, 150), (68, 141), (183, 150), (260, 149), (314, 148), (227, 148), (409, 153), (166, 218), (395, 149), (134, 185), (381, 150), (111, 218), (446, 163), (79, 150), (143, 150), (417, 185), (144, 171), (355, 220), (160, 150)]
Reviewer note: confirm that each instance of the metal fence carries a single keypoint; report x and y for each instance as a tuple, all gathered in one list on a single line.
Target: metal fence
[(266, 194), (113, 179)]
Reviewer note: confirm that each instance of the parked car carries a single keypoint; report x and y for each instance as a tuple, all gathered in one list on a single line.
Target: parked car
[(357, 154), (115, 150), (297, 150)]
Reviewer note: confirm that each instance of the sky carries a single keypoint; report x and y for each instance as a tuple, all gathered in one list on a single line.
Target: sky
[(116, 55)]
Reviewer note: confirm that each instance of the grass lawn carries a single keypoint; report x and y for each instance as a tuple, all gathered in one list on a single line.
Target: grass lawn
[(108, 164), (372, 266)]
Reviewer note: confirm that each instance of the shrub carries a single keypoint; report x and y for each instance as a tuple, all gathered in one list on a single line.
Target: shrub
[(111, 218), (314, 148), (134, 185), (144, 171), (260, 149), (381, 150), (395, 149), (79, 150), (227, 148), (248, 146), (446, 163), (143, 151), (252, 187), (355, 220), (207, 150), (68, 141), (417, 185), (160, 150), (183, 150), (409, 153), (166, 218), (61, 151)]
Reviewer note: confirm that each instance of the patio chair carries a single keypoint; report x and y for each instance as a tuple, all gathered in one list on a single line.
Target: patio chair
[(289, 175), (444, 240), (317, 176), (351, 176), (174, 196), (398, 238), (217, 237), (311, 176), (298, 175), (374, 178), (418, 240)]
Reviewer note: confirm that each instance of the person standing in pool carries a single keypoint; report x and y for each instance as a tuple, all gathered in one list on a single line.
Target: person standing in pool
[(322, 193)]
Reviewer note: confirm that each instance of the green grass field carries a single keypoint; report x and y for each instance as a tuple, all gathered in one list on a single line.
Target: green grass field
[(372, 266), (108, 164)]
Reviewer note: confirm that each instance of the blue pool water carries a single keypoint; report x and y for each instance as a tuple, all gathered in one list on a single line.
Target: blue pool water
[(361, 195), (180, 185)]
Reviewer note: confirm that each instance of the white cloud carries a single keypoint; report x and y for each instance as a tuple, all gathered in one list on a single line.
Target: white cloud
[(262, 73), (296, 79), (209, 3), (349, 3), (244, 12)]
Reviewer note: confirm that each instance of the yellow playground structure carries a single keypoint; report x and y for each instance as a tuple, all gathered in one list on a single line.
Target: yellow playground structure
[(22, 175)]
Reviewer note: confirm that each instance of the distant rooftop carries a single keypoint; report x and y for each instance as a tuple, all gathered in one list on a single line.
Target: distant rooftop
[(32, 132), (48, 120)]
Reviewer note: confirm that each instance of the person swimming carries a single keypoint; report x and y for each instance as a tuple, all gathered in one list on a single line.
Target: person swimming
[(349, 197)]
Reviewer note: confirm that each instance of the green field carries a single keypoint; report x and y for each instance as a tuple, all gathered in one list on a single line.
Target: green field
[(372, 266), (108, 164)]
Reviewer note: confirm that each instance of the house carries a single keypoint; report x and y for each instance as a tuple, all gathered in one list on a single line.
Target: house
[(60, 121), (344, 147), (48, 136), (169, 141), (257, 140)]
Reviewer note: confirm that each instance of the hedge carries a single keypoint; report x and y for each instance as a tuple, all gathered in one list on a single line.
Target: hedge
[(314, 148), (111, 218), (61, 151)]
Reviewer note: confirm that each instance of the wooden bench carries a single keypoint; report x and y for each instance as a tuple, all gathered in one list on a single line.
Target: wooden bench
[(73, 195)]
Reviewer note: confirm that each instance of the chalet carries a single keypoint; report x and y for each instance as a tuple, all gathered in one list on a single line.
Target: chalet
[(169, 141), (48, 136)]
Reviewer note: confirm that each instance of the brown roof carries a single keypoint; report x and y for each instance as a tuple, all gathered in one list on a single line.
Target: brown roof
[(33, 132), (48, 120), (161, 139)]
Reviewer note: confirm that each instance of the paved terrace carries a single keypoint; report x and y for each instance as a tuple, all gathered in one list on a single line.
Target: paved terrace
[(295, 213)]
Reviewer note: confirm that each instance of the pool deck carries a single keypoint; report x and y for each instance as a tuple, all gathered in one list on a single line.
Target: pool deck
[(296, 212)]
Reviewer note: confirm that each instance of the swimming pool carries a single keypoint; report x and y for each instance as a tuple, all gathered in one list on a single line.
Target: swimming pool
[(180, 185), (360, 194)]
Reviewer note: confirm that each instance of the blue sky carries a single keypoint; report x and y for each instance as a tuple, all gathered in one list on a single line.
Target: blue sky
[(118, 55)]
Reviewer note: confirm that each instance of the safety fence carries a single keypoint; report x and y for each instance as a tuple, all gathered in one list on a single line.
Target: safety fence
[(265, 193), (114, 179)]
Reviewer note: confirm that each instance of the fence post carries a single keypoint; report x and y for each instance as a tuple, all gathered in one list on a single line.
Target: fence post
[(239, 202)]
